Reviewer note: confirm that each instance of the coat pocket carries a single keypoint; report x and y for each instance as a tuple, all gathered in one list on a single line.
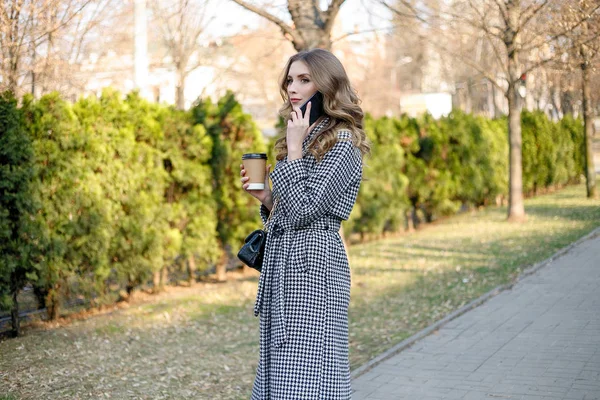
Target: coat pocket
[(310, 251)]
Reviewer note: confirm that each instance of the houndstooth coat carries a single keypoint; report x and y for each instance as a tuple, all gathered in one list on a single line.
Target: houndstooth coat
[(304, 286)]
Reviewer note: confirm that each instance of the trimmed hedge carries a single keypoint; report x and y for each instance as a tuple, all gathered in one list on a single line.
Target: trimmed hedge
[(117, 192), (421, 169)]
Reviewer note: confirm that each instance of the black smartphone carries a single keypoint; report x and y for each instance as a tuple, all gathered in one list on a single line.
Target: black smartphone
[(316, 107)]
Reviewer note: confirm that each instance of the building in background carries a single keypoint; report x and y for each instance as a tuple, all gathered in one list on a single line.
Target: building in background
[(437, 104)]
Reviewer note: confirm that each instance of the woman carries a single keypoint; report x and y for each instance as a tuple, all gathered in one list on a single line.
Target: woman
[(304, 287)]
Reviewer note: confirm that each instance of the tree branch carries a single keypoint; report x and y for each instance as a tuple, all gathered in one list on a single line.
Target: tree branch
[(331, 13), (414, 13), (499, 58), (556, 56), (563, 33), (344, 36), (503, 11), (475, 24), (277, 21), (532, 10), (484, 72), (65, 21)]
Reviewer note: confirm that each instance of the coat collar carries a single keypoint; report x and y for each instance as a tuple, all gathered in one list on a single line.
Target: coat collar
[(314, 133)]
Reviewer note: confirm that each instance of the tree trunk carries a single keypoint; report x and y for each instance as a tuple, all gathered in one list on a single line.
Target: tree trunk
[(221, 267), (410, 224), (40, 293), (468, 98), (490, 100), (588, 123), (156, 281), (14, 315), (13, 71), (310, 26), (164, 277), (180, 89), (415, 217), (516, 209), (53, 302), (48, 72), (33, 74), (129, 288), (191, 270)]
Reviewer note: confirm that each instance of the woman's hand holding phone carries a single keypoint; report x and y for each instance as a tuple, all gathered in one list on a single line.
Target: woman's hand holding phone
[(297, 129)]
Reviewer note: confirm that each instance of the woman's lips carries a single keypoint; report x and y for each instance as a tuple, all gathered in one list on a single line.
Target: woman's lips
[(294, 100)]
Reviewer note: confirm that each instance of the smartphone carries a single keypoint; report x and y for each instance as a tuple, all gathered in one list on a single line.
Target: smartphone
[(316, 107)]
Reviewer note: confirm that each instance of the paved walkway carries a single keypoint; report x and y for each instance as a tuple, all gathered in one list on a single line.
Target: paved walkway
[(539, 340)]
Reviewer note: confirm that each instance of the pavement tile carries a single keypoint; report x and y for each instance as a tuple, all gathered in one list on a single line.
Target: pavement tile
[(538, 341)]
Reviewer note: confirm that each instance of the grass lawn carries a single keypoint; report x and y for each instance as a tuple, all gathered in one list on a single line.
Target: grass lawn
[(202, 342)]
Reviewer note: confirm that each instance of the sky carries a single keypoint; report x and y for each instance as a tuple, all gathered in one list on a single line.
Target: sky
[(230, 18)]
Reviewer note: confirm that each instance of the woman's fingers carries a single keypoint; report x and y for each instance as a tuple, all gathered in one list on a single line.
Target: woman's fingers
[(267, 176), (306, 115), (298, 119), (296, 114)]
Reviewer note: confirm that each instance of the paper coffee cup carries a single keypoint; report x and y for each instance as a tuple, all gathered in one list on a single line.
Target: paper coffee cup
[(255, 165)]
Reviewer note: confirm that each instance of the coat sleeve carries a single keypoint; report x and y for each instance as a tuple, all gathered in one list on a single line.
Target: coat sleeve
[(264, 214), (310, 196)]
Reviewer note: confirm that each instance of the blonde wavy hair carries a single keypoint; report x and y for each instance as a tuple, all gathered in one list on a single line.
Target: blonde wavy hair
[(340, 103)]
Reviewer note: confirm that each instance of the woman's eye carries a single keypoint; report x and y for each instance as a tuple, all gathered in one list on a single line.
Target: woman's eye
[(305, 80)]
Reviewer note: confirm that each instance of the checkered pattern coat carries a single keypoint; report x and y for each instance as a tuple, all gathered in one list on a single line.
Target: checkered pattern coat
[(304, 287)]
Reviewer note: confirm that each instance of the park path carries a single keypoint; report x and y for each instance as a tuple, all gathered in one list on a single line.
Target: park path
[(539, 340)]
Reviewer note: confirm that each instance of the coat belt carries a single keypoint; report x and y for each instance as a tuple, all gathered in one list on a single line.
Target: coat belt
[(265, 282)]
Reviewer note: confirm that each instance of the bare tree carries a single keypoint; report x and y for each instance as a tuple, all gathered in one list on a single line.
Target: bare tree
[(41, 41), (518, 34), (587, 40), (311, 25), (181, 24), (257, 59)]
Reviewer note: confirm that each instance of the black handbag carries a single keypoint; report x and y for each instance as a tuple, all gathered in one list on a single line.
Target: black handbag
[(253, 250)]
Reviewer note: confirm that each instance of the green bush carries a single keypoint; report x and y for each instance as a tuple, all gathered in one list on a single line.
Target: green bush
[(117, 191), (19, 233), (552, 152), (73, 209), (187, 150), (459, 161), (573, 156), (233, 133), (382, 200), (126, 190)]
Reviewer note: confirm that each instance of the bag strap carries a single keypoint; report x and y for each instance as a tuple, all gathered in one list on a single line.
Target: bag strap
[(267, 224)]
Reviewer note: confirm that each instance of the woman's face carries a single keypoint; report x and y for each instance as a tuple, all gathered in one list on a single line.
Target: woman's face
[(300, 86)]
